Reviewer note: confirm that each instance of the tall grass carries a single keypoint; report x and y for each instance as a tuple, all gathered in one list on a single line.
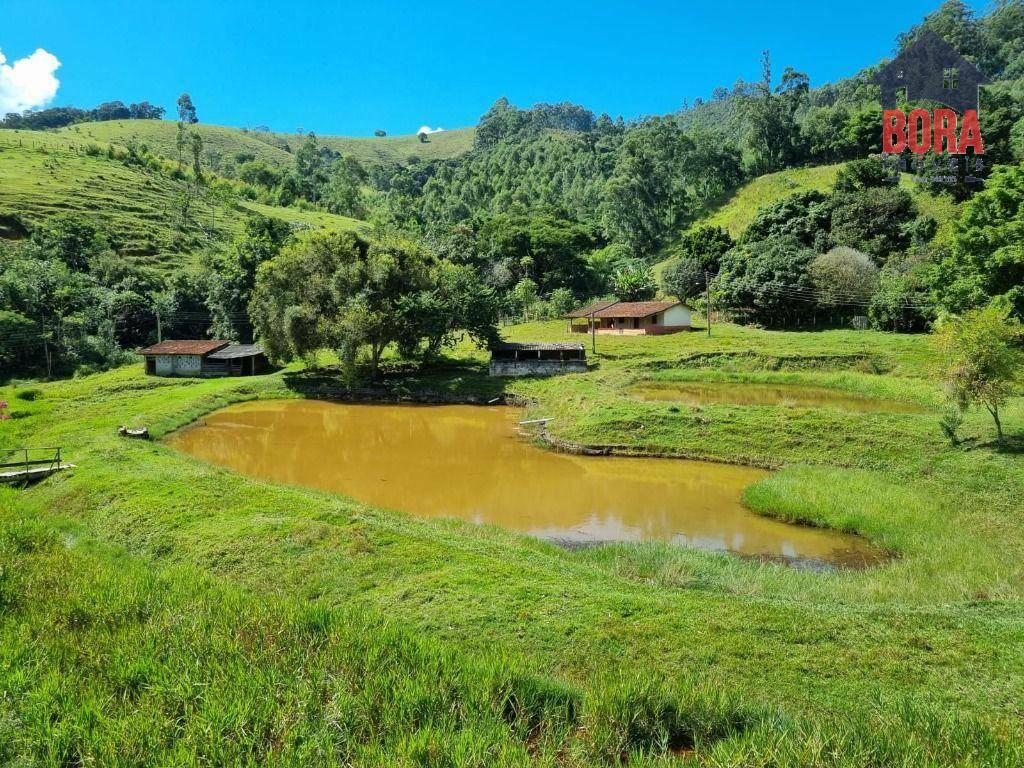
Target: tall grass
[(104, 661)]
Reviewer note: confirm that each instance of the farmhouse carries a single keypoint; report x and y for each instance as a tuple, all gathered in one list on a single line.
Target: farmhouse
[(631, 318), (537, 359), (198, 357)]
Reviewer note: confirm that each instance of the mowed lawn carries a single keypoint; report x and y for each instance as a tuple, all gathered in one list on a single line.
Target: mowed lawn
[(915, 661)]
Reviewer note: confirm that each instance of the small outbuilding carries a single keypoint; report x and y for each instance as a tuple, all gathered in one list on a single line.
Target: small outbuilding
[(204, 358), (632, 318), (237, 360), (537, 358)]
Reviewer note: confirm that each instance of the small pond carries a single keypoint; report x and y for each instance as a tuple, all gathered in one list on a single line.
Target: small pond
[(471, 462), (694, 393)]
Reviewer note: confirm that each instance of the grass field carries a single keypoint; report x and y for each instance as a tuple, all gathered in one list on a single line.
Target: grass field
[(45, 174), (147, 594), (277, 148), (160, 136)]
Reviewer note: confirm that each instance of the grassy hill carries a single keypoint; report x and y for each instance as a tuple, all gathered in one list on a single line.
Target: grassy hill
[(152, 601), (739, 210), (276, 148), (399, 149), (45, 174), (736, 213), (160, 136)]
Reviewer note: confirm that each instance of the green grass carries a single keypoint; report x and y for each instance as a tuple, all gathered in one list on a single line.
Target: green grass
[(847, 668), (736, 213), (160, 136), (305, 219), (107, 661), (399, 149), (45, 174), (278, 148)]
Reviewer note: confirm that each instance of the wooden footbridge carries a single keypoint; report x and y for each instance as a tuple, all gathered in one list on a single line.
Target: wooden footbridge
[(27, 465)]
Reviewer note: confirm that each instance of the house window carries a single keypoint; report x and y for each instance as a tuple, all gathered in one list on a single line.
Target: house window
[(654, 319), (950, 78)]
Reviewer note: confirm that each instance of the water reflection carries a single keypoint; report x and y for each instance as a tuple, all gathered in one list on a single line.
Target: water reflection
[(694, 393)]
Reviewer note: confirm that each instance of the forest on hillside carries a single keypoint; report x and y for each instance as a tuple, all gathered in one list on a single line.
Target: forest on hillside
[(552, 206)]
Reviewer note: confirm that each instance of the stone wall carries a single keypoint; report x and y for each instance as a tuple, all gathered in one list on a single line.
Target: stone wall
[(536, 367)]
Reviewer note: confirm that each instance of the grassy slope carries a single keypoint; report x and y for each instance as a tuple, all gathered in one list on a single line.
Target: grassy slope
[(941, 625), (737, 212), (398, 149), (46, 174), (160, 137), (741, 208)]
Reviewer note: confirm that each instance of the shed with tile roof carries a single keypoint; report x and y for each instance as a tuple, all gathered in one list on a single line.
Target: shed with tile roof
[(204, 358)]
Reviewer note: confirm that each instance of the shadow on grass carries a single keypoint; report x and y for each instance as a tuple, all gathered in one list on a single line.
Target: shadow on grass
[(447, 380), (1013, 444)]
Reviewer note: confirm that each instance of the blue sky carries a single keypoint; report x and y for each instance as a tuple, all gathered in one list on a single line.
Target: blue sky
[(349, 68)]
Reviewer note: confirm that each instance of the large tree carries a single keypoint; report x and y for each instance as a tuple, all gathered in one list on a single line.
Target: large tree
[(335, 291), (187, 110), (686, 279), (987, 256), (844, 278), (232, 275), (768, 281), (773, 137), (343, 191)]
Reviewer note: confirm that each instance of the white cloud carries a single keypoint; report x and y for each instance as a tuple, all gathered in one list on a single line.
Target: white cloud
[(27, 82), (428, 129)]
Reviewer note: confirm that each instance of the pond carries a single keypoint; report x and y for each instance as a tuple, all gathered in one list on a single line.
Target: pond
[(471, 462), (694, 393)]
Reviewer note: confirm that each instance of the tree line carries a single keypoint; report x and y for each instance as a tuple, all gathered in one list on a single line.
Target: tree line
[(58, 117)]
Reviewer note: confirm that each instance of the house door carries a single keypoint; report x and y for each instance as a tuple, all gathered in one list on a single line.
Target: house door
[(636, 322), (151, 366)]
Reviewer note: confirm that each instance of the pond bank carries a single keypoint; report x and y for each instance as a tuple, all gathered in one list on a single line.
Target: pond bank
[(466, 461)]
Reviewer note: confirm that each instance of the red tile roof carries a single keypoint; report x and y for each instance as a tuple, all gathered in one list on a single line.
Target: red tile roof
[(635, 308), (184, 347), (591, 308)]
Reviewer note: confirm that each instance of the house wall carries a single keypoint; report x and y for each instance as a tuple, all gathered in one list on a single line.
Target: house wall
[(178, 365), (677, 316)]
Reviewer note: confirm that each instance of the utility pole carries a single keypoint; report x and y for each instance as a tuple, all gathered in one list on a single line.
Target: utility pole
[(593, 335), (159, 329), (707, 297)]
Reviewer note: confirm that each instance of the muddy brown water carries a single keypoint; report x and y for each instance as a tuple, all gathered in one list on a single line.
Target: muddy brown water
[(694, 393), (472, 462)]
